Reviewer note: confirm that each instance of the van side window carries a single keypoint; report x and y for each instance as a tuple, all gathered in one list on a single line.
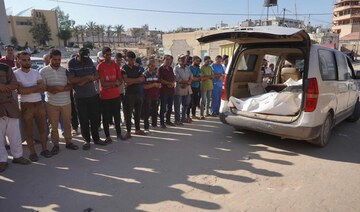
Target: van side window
[(343, 69), (327, 65), (247, 62)]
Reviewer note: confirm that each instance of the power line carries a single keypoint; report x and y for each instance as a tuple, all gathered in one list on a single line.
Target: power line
[(172, 11)]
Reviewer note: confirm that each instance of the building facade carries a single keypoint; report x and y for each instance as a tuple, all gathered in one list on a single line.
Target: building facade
[(346, 17), (178, 43), (19, 27)]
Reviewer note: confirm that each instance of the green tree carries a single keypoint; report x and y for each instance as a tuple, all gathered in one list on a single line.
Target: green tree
[(82, 32), (118, 30), (64, 21), (88, 45), (76, 33), (65, 35), (41, 31)]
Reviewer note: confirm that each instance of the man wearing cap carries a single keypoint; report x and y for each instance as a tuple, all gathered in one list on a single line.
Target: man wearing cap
[(9, 119), (82, 74), (9, 58), (183, 78), (134, 93)]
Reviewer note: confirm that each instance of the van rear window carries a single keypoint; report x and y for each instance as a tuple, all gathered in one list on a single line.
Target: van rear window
[(247, 62)]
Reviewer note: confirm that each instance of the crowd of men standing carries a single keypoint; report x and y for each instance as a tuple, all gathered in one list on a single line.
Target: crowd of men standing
[(94, 95)]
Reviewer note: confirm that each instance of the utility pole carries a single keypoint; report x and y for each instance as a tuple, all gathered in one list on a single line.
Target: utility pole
[(283, 24)]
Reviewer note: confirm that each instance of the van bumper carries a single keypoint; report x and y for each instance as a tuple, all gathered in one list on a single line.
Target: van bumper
[(284, 130)]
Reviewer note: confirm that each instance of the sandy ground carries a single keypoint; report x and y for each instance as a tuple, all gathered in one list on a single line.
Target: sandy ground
[(197, 167)]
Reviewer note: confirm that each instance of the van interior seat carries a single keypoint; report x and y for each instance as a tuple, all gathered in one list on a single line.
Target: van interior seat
[(290, 72)]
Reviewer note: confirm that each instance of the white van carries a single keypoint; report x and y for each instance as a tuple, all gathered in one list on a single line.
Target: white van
[(309, 90)]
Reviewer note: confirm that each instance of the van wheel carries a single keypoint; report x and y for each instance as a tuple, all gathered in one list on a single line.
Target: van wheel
[(356, 114), (325, 132)]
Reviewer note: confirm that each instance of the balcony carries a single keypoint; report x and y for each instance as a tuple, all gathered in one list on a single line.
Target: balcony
[(339, 9)]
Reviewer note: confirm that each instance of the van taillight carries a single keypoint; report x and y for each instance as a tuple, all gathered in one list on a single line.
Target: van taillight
[(312, 93), (223, 88)]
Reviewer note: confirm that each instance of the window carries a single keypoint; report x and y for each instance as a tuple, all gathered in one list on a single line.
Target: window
[(24, 23), (247, 62), (343, 70), (327, 65)]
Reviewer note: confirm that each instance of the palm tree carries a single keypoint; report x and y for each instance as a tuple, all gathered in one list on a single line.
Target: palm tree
[(91, 29), (136, 33), (76, 33), (82, 31), (102, 31), (119, 29), (109, 32)]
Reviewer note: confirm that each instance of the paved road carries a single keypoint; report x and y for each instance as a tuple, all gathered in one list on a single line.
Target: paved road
[(201, 166)]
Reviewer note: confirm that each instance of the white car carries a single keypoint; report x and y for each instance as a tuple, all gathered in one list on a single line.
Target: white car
[(311, 89)]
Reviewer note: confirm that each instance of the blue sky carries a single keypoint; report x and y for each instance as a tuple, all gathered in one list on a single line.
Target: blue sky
[(165, 21)]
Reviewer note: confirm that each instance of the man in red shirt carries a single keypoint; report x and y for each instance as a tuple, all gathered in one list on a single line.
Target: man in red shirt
[(110, 80), (9, 58)]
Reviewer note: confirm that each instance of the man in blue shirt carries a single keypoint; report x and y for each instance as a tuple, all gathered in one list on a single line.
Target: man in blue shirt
[(195, 86), (219, 73)]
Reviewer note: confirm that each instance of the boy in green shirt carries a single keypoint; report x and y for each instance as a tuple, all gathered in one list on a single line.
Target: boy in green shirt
[(206, 75)]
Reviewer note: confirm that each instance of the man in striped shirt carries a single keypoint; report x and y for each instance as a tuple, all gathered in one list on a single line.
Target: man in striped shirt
[(57, 98)]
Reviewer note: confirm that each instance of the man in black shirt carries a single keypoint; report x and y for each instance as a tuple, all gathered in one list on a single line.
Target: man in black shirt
[(134, 93)]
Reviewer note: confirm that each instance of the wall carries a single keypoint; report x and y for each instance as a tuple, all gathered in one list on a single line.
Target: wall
[(178, 43)]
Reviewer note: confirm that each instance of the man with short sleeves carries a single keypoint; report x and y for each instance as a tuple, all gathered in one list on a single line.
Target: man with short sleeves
[(218, 79), (134, 93), (9, 119), (82, 74), (110, 81), (57, 98), (31, 106)]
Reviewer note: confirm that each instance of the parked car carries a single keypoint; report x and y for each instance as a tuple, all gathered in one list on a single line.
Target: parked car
[(325, 91), (37, 62)]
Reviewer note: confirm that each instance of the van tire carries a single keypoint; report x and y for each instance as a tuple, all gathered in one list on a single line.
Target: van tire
[(325, 132), (356, 114)]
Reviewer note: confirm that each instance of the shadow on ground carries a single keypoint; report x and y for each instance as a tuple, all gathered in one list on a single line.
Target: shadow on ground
[(169, 165)]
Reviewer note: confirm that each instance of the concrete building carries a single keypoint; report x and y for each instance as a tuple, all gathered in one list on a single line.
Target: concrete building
[(346, 17), (19, 27), (178, 43), (274, 21)]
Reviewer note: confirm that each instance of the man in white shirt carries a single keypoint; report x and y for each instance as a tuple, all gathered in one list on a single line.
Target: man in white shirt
[(30, 87), (57, 98)]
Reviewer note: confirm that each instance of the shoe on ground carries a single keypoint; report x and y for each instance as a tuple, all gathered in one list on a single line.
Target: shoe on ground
[(100, 142), (108, 140), (33, 157), (139, 132), (195, 117), (46, 154), (163, 126), (74, 132), (170, 124), (3, 166), (202, 118), (120, 137), (71, 146), (127, 135), (21, 160), (55, 150), (86, 146)]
